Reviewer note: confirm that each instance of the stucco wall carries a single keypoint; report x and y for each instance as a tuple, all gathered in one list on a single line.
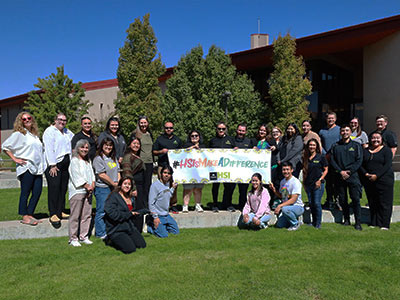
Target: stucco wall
[(382, 82), (103, 102)]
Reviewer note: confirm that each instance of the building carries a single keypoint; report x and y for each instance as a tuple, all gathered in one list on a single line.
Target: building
[(353, 72)]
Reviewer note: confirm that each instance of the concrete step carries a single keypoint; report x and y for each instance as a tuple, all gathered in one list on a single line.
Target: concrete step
[(11, 230)]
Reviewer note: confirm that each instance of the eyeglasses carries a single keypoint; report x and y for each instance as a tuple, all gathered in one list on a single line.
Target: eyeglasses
[(194, 135), (62, 120), (168, 128), (27, 119), (221, 128)]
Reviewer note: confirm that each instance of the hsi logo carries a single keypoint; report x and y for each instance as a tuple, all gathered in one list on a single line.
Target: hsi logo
[(351, 149), (225, 175)]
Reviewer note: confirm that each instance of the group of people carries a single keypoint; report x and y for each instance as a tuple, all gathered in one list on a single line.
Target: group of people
[(119, 174)]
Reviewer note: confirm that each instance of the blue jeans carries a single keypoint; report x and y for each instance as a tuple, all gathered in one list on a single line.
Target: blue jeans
[(167, 225), (314, 198), (29, 183), (264, 219), (289, 216), (101, 195)]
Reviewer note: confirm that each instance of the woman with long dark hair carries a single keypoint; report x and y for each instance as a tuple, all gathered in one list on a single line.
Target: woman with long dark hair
[(161, 223), (133, 166), (315, 168), (291, 148), (256, 212), (143, 133), (261, 139), (112, 131), (194, 141), (122, 233), (107, 170), (378, 181), (26, 150)]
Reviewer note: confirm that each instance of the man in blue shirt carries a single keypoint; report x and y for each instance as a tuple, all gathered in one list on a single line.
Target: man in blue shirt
[(330, 135)]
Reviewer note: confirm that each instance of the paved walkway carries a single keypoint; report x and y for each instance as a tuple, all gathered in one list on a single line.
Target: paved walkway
[(10, 230)]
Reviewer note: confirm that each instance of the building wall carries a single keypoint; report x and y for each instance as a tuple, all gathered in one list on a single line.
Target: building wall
[(8, 115), (382, 82), (103, 102)]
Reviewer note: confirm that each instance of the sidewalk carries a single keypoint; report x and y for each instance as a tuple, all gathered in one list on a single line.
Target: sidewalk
[(11, 230)]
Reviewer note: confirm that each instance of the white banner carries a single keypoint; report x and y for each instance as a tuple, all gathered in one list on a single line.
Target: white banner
[(219, 165)]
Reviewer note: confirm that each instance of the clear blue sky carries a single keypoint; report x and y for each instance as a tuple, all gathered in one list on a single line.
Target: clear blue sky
[(84, 36)]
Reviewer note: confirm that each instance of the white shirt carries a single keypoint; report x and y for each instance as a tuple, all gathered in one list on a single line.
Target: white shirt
[(29, 147), (80, 173), (291, 187), (56, 144)]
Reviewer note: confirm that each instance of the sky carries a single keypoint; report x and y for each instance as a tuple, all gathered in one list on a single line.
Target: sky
[(85, 36)]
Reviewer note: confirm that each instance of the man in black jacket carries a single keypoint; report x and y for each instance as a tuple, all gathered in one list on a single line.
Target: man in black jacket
[(346, 159), (242, 142), (222, 140)]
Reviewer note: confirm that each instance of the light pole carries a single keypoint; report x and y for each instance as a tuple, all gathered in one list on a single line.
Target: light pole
[(225, 96)]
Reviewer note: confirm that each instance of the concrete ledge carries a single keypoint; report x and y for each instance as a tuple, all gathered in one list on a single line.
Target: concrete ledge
[(12, 230)]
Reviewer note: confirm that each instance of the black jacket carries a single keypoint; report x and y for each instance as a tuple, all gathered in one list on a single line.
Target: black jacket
[(347, 156), (118, 218), (226, 142)]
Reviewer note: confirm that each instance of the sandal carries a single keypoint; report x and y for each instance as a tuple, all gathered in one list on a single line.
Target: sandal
[(31, 222)]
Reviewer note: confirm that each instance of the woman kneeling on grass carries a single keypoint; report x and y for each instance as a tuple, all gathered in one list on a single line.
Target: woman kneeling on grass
[(160, 194), (120, 227), (256, 212), (80, 189)]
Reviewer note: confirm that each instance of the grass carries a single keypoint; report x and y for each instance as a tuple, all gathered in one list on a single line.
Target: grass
[(9, 199), (335, 262)]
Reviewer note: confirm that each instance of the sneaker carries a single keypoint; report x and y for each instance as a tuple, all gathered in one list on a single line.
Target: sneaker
[(103, 237), (358, 227), (198, 208), (215, 209), (263, 225), (74, 243), (86, 241), (346, 223), (384, 228), (294, 227), (185, 209), (231, 209), (174, 210)]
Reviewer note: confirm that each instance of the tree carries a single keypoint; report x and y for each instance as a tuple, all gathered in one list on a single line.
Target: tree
[(57, 93), (137, 74), (194, 98), (288, 85)]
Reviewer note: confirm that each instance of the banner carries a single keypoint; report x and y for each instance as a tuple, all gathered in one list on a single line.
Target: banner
[(219, 165)]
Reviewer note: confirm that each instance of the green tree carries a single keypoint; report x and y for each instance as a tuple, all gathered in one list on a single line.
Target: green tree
[(137, 74), (57, 93), (194, 98), (288, 85)]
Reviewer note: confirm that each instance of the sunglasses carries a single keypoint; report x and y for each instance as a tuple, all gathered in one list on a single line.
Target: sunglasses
[(27, 119), (62, 120), (170, 128), (194, 135), (221, 129)]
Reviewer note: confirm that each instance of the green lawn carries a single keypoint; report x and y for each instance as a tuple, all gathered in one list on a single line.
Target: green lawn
[(335, 262), (9, 199)]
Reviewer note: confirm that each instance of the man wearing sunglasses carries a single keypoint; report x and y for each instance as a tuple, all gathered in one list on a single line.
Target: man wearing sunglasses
[(222, 140), (242, 142), (165, 142)]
